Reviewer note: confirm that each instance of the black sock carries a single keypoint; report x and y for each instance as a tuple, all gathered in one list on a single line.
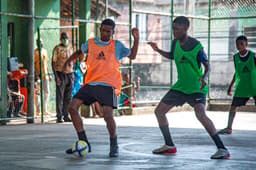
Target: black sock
[(82, 136), (167, 136), (218, 141), (113, 141)]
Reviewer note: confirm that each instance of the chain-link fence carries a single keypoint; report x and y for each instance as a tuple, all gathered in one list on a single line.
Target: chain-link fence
[(216, 24)]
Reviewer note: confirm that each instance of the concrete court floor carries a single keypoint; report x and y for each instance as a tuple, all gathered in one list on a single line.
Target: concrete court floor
[(41, 146)]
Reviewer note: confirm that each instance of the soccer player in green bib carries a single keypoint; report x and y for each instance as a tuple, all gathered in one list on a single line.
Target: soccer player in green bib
[(191, 87), (244, 79)]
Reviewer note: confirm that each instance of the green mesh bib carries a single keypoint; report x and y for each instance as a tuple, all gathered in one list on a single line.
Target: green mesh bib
[(188, 71), (245, 76)]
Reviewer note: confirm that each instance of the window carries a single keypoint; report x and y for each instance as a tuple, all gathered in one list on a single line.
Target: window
[(250, 33), (140, 21)]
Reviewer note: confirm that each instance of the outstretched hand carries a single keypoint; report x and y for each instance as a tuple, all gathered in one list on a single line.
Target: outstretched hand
[(135, 33), (153, 45)]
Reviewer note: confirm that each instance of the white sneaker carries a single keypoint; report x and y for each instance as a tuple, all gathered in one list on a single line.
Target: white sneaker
[(165, 149), (221, 154)]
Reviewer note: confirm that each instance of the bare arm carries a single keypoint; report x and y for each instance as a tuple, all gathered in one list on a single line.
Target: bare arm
[(231, 85), (205, 75), (161, 52), (134, 50), (76, 54), (47, 68), (57, 79)]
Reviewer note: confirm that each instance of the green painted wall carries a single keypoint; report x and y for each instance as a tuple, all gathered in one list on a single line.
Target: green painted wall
[(20, 24), (46, 8), (3, 62), (84, 13)]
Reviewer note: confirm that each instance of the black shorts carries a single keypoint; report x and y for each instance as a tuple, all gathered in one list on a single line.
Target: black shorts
[(177, 98), (105, 95), (241, 101)]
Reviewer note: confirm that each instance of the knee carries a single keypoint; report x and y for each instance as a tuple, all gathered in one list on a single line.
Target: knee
[(158, 113), (72, 108), (200, 117), (232, 109), (200, 111), (108, 117)]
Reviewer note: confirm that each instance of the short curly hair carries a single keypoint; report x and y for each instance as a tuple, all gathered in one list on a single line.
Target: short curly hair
[(108, 22), (181, 20), (242, 38)]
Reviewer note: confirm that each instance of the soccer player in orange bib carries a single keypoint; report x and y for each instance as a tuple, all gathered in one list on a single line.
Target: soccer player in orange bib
[(102, 79)]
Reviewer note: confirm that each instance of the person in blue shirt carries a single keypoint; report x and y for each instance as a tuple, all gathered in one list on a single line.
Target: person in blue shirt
[(79, 71)]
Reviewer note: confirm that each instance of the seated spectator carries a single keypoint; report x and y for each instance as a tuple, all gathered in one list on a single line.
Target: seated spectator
[(15, 99)]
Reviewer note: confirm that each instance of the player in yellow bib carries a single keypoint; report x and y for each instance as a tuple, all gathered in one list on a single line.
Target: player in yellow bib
[(103, 78), (190, 87)]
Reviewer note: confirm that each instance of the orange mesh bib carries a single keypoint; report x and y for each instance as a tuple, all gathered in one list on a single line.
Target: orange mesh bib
[(102, 65)]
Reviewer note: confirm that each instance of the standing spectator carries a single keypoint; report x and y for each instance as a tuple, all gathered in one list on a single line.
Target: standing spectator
[(63, 77), (46, 77)]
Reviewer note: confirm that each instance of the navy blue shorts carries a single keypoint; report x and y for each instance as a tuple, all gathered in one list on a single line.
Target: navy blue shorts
[(177, 98), (105, 95), (241, 101)]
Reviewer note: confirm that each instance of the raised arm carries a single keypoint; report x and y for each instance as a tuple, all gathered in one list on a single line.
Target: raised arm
[(54, 60), (134, 50)]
